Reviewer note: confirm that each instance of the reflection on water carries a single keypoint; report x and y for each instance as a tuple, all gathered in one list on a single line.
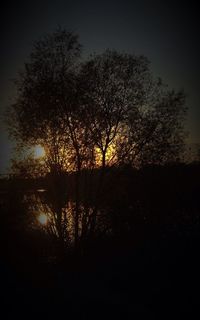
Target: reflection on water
[(57, 215), (41, 190), (52, 213)]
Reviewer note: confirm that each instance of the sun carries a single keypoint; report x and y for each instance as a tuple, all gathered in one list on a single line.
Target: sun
[(38, 151), (42, 219)]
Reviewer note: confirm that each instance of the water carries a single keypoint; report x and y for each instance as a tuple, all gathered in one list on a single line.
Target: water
[(56, 214)]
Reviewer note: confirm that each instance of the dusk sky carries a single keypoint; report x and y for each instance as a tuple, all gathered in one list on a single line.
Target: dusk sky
[(164, 31)]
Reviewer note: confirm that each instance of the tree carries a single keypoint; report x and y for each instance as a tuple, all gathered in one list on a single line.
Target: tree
[(130, 116), (27, 168), (104, 112), (107, 111), (45, 87)]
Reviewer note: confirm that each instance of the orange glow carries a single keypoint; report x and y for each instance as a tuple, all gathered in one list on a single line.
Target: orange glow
[(110, 155)]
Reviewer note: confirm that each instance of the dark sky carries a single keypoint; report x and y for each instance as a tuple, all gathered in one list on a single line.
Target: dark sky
[(165, 31)]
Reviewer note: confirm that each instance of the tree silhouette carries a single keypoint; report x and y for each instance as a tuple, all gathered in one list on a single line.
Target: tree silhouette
[(44, 86), (105, 112), (130, 116), (27, 168), (108, 110)]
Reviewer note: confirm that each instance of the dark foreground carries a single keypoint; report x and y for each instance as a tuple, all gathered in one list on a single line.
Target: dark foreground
[(156, 279), (148, 269)]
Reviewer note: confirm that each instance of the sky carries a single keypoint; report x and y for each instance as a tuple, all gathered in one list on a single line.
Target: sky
[(166, 32)]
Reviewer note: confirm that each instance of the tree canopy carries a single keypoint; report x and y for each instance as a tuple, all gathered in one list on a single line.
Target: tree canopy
[(101, 111)]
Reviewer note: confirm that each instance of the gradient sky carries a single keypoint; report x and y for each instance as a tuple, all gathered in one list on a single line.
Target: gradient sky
[(164, 31)]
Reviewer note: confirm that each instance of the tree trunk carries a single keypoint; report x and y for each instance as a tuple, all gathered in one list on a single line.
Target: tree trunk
[(77, 207)]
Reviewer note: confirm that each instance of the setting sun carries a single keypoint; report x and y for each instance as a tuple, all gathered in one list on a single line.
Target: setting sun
[(42, 218), (38, 151)]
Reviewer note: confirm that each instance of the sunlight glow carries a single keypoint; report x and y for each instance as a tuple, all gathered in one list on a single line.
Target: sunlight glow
[(42, 218), (38, 151), (110, 155)]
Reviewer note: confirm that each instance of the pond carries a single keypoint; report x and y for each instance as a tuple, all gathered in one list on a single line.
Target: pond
[(63, 218)]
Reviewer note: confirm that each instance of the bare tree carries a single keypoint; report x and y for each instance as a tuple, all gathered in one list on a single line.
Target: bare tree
[(36, 116), (107, 111), (130, 116)]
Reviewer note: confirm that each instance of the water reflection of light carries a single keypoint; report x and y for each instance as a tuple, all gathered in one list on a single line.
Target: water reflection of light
[(42, 218), (41, 190)]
